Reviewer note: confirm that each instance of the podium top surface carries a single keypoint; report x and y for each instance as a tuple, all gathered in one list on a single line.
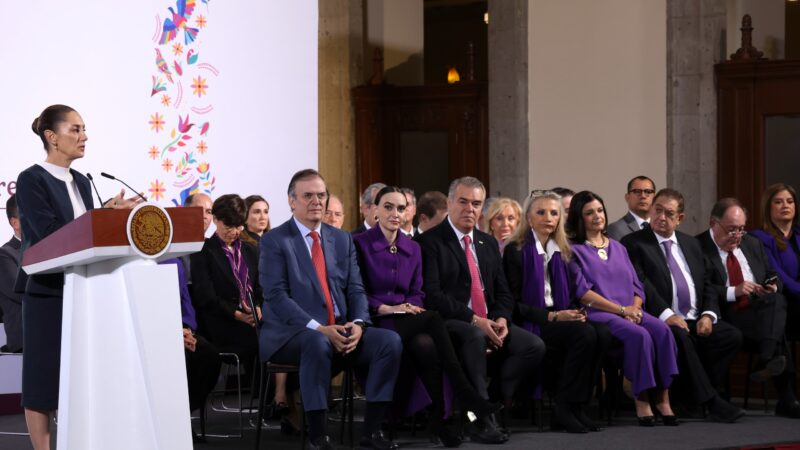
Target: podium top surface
[(101, 234)]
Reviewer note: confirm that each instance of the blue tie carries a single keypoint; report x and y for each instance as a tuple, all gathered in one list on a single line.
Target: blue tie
[(684, 299)]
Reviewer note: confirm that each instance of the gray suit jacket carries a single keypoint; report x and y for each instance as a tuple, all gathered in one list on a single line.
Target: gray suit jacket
[(623, 227), (10, 301)]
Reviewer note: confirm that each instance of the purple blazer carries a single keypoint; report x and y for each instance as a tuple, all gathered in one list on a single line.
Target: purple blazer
[(784, 262), (389, 278)]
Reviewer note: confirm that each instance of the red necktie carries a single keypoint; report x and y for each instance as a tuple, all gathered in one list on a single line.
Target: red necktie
[(735, 278), (318, 259), (476, 291)]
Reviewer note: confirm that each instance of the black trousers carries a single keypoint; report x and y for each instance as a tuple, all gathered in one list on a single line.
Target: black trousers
[(202, 371), (574, 354), (516, 361), (765, 322), (703, 361)]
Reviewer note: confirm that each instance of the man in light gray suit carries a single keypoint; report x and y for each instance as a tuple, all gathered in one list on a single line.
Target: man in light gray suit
[(639, 197)]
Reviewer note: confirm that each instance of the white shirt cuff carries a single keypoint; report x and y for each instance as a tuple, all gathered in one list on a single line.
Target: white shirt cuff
[(666, 314), (313, 324), (709, 313), (731, 294)]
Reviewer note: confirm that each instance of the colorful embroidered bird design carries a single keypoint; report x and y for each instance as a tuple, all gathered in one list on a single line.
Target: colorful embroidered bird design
[(179, 22), (162, 66)]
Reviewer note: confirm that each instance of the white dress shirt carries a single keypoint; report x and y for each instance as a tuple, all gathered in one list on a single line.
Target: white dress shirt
[(747, 272), (547, 254), (639, 220), (460, 236)]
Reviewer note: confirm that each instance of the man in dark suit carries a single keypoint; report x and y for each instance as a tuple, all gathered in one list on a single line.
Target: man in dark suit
[(673, 270), (740, 271), (463, 280), (639, 198), (10, 301), (367, 207), (315, 312)]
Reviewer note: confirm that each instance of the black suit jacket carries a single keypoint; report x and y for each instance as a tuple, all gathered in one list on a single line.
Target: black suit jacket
[(361, 228), (756, 258), (446, 277), (44, 207), (651, 266), (10, 301), (216, 294)]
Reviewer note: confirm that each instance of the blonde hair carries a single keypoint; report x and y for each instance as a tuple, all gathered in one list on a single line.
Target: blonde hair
[(559, 236), (497, 206)]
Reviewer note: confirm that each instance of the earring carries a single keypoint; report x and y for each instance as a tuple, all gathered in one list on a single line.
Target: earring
[(376, 218)]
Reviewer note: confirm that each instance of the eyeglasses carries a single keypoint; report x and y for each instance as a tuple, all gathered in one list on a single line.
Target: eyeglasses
[(642, 191), (733, 232), (308, 196)]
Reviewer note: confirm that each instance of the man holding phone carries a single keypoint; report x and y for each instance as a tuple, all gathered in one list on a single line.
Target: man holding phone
[(749, 296)]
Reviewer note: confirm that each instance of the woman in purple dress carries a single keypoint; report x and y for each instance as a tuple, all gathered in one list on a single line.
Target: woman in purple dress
[(535, 263), (603, 279), (391, 266), (780, 235)]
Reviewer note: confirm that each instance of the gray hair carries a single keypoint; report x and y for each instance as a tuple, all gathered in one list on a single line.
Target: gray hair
[(470, 182), (369, 193), (409, 191)]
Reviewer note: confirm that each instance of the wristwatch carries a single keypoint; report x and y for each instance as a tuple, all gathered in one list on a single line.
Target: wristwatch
[(622, 311)]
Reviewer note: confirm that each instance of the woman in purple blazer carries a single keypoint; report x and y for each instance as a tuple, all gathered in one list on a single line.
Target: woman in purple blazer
[(604, 280), (780, 235), (391, 267)]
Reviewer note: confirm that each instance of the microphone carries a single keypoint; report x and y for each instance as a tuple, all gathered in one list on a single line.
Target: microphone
[(91, 180), (112, 177)]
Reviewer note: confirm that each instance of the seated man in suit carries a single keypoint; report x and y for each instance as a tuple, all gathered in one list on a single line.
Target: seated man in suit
[(639, 197), (367, 207), (315, 312), (10, 301), (432, 209), (463, 280), (334, 212), (673, 270), (748, 299)]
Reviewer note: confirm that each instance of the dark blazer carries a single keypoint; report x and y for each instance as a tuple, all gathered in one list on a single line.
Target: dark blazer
[(756, 258), (216, 294), (622, 227), (651, 267), (44, 207), (361, 228), (446, 279), (10, 301), (292, 292)]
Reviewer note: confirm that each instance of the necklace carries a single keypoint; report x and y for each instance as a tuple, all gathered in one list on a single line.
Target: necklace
[(602, 253)]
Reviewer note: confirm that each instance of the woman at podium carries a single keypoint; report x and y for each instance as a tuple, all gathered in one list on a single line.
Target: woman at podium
[(49, 194)]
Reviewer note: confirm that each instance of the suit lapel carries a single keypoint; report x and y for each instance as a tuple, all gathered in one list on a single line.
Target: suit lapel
[(713, 254), (329, 249), (695, 266), (483, 255), (221, 260), (752, 260), (631, 221), (456, 248)]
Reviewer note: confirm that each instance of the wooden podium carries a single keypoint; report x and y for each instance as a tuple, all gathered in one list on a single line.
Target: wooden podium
[(123, 375)]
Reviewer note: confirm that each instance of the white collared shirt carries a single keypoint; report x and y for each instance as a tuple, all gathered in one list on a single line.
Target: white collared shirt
[(747, 272), (639, 220), (460, 237), (366, 225), (548, 253), (63, 174), (306, 233), (677, 255)]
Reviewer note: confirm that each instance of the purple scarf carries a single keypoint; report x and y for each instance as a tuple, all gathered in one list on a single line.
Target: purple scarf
[(533, 280), (240, 272)]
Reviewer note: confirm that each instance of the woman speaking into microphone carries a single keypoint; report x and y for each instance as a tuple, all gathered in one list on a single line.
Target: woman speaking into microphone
[(49, 195)]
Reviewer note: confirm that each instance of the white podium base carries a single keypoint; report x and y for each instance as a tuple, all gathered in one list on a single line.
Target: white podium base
[(123, 374)]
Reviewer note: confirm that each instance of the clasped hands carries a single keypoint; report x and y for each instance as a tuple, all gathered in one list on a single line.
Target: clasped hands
[(633, 313), (344, 338), (402, 308), (247, 317), (120, 202), (495, 330)]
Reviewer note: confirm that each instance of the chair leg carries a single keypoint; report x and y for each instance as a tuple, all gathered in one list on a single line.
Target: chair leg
[(747, 380), (540, 413), (263, 386), (350, 399)]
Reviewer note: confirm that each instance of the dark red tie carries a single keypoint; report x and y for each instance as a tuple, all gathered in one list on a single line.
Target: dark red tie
[(476, 291), (318, 259), (736, 278)]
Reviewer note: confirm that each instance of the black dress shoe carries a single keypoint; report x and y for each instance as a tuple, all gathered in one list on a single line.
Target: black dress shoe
[(670, 421), (320, 443), (486, 431), (445, 436), (564, 419), (772, 368), (585, 420), (721, 411), (788, 409), (646, 421), (377, 441)]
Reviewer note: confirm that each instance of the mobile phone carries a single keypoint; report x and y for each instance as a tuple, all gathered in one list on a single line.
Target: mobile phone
[(772, 279)]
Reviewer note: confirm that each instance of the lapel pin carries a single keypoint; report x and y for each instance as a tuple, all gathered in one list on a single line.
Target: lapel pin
[(480, 242)]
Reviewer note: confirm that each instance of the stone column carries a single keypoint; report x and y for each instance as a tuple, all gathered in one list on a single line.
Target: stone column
[(341, 60), (508, 98), (695, 42)]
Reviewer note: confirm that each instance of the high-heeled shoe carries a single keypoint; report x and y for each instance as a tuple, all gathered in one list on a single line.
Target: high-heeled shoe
[(670, 421), (646, 421)]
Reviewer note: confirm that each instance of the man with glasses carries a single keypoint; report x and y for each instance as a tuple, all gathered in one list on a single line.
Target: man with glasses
[(749, 296), (639, 197), (678, 291), (315, 313)]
